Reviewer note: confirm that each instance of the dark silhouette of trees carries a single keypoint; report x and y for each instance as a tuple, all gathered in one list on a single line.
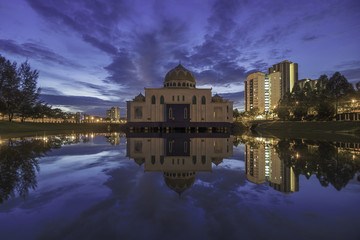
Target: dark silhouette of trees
[(320, 102), (19, 93)]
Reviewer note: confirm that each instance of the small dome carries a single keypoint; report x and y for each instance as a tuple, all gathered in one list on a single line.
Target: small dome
[(179, 73), (139, 98), (179, 181)]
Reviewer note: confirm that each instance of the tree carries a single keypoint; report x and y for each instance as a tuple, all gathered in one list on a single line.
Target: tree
[(18, 91), (10, 87), (28, 89), (236, 114), (325, 110), (338, 86), (253, 112), (282, 112)]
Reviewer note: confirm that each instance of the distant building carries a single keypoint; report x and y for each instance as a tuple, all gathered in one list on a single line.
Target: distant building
[(289, 75), (113, 114), (108, 114), (179, 104), (262, 91), (303, 82)]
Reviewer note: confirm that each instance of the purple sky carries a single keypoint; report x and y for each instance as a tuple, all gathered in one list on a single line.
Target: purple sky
[(96, 54)]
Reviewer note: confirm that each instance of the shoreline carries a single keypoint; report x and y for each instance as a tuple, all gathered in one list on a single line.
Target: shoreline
[(329, 131), (324, 130)]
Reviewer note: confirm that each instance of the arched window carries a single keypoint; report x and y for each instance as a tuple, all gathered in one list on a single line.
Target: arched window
[(227, 109), (190, 85), (203, 100), (194, 160), (183, 84), (194, 100), (153, 159), (183, 98), (161, 160), (162, 100), (167, 84), (187, 84), (164, 85), (203, 159), (153, 100), (179, 84)]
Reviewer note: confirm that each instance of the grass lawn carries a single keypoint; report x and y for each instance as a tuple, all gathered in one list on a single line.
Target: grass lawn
[(27, 129), (332, 131)]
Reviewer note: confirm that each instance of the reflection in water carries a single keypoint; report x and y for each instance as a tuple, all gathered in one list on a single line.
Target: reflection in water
[(263, 164), (280, 162), (179, 156), (19, 161)]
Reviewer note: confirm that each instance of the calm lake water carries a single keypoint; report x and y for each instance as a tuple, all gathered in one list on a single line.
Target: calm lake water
[(178, 186)]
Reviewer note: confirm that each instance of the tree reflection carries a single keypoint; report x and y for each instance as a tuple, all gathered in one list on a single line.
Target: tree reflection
[(19, 162), (268, 160), (328, 162)]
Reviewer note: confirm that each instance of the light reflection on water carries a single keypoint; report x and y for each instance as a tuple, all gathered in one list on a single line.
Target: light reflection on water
[(205, 186)]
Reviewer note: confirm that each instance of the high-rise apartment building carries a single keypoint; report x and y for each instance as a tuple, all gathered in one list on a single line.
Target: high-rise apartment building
[(289, 75), (113, 114), (262, 91)]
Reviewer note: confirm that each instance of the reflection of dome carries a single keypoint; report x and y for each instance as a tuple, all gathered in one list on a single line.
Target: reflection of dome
[(179, 77), (216, 161), (179, 181), (139, 161)]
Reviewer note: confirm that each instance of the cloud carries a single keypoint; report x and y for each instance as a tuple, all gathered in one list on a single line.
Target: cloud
[(106, 47), (90, 105), (35, 51), (308, 38)]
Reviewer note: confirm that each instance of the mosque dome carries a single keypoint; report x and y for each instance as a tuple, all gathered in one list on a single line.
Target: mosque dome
[(179, 77)]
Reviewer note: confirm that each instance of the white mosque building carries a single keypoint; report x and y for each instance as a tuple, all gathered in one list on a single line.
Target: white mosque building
[(179, 104)]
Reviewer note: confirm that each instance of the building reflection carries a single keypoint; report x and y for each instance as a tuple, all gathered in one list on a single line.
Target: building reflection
[(280, 162), (179, 155), (263, 164)]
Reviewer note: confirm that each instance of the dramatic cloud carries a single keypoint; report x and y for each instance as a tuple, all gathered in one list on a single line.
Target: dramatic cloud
[(113, 49), (34, 51)]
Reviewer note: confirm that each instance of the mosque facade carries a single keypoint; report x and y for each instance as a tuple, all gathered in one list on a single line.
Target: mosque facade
[(179, 104)]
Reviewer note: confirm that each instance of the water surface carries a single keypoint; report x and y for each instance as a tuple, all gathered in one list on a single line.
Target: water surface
[(178, 186)]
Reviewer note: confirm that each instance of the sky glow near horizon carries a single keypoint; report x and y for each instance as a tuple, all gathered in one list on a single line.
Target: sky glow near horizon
[(96, 54)]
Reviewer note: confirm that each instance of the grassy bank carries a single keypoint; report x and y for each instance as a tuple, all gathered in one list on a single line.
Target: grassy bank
[(332, 131), (16, 129)]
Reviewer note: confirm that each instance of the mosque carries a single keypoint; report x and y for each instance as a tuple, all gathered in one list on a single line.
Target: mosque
[(179, 104)]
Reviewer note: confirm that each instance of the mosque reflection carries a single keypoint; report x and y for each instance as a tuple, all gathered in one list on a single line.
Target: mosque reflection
[(179, 155), (280, 162)]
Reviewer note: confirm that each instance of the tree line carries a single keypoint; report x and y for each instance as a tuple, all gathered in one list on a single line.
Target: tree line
[(19, 94), (320, 102)]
